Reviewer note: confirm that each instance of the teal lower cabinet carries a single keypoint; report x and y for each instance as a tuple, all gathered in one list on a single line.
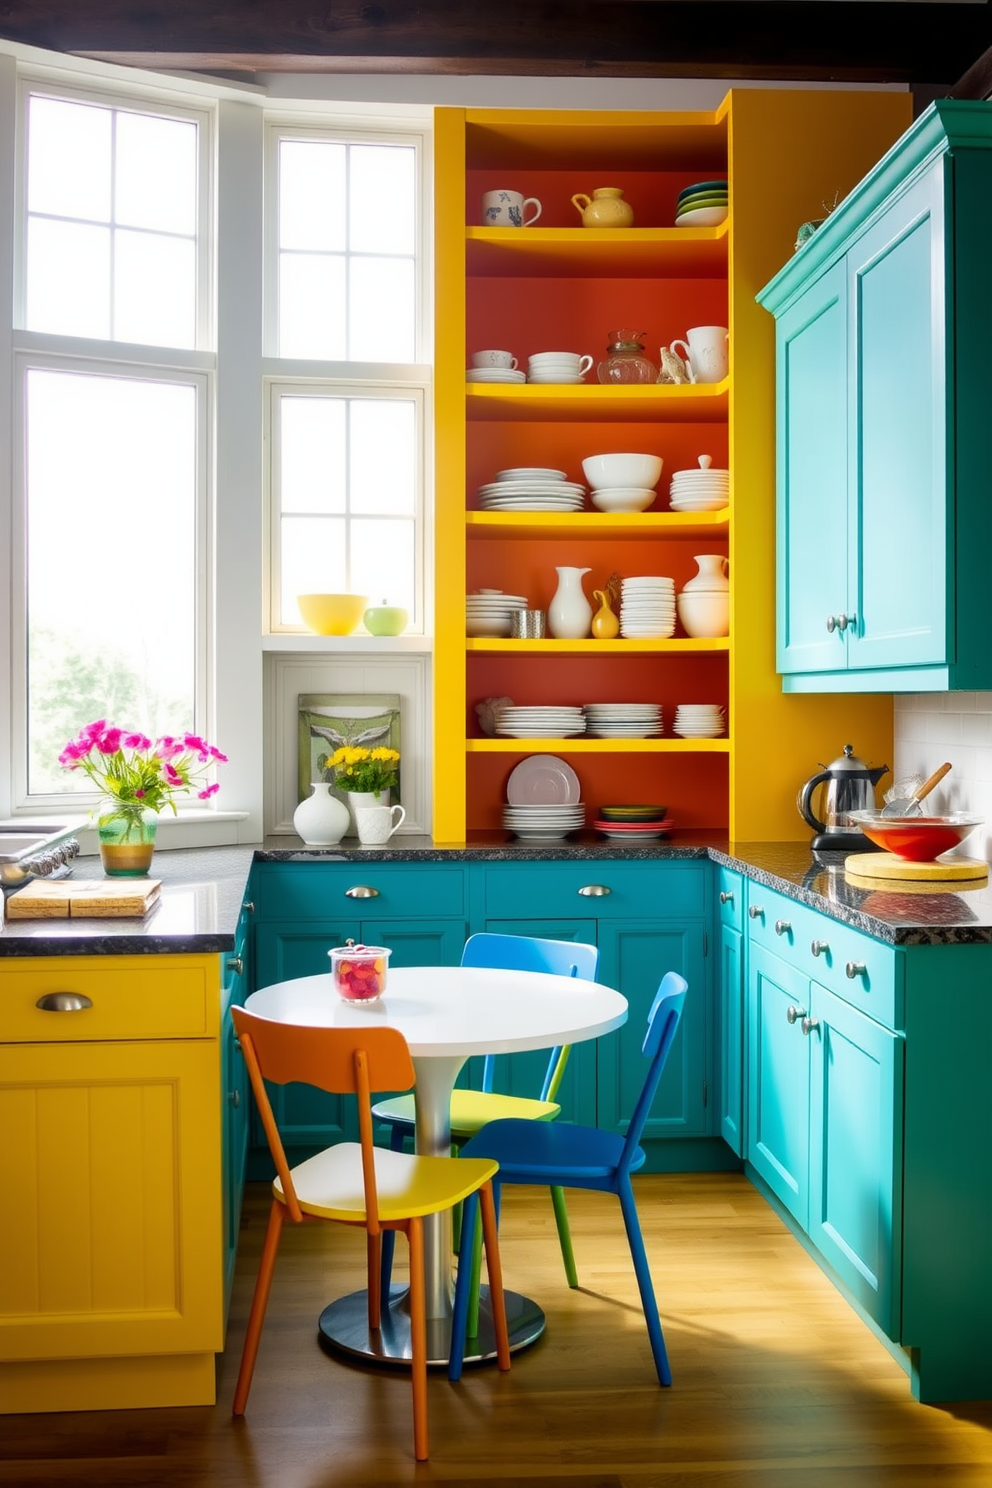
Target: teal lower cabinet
[(646, 918), (729, 1032)]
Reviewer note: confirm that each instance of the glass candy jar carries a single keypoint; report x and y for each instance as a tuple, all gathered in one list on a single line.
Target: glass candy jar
[(625, 360)]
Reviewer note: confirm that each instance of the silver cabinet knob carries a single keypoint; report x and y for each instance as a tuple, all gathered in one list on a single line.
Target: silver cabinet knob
[(594, 891), (727, 898), (831, 623), (820, 947), (756, 911), (63, 1002), (235, 1098), (841, 622), (809, 1024), (248, 907), (783, 927), (855, 969), (793, 1014), (236, 965), (361, 891)]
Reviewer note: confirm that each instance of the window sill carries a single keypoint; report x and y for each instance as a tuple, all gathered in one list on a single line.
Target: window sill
[(304, 641)]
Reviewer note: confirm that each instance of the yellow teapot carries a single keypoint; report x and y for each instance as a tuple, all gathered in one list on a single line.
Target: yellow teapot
[(605, 208)]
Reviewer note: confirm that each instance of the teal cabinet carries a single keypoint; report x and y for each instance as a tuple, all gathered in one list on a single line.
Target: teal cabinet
[(729, 1030), (883, 323)]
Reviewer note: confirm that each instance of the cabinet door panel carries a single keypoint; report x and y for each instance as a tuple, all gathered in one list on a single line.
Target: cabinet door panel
[(730, 1037), (812, 477), (899, 494), (634, 957), (856, 1070), (778, 1087), (523, 1074)]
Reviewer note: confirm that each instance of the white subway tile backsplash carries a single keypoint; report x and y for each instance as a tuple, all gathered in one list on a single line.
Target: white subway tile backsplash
[(932, 727), (976, 728)]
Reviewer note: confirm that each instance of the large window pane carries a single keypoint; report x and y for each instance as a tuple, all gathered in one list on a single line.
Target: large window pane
[(69, 280), (155, 173), (313, 454), (312, 307), (382, 557), (383, 456), (312, 187), (111, 541), (69, 149), (314, 561), (154, 290), (381, 310), (383, 199)]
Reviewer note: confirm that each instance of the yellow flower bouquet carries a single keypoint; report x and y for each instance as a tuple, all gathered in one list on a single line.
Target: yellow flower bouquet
[(359, 769)]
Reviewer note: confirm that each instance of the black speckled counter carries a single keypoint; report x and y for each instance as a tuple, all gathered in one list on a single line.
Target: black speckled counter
[(203, 890)]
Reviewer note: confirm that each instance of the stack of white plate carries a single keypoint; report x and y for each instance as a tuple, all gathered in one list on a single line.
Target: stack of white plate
[(647, 607), (494, 374), (557, 366), (704, 489), (488, 613), (531, 490), (623, 720), (699, 720), (544, 823), (544, 722)]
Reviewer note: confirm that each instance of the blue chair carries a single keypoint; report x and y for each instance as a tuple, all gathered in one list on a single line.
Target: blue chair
[(471, 1110), (586, 1157)]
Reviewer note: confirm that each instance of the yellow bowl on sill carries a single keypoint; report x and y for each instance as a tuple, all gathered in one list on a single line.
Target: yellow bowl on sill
[(332, 614)]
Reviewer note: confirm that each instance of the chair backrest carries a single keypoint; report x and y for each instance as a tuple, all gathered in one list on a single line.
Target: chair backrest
[(571, 958), (663, 1022), (344, 1061)]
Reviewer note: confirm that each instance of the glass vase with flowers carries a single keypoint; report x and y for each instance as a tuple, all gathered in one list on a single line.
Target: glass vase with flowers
[(138, 778), (366, 775)]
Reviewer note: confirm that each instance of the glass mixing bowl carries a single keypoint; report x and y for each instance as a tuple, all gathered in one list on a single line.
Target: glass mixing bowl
[(919, 839)]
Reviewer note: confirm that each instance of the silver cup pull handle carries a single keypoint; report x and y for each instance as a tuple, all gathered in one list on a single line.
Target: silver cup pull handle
[(63, 1002), (594, 891), (361, 891)]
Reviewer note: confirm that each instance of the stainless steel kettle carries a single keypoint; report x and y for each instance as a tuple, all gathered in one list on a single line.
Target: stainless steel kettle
[(850, 786)]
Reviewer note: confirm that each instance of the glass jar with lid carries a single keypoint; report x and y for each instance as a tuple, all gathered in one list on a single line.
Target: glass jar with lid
[(625, 360)]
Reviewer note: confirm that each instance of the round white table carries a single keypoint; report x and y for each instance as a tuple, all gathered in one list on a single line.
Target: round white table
[(446, 1014)]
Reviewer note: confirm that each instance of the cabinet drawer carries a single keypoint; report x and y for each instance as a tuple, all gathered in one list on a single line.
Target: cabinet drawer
[(658, 890), (324, 891), (854, 966), (130, 997), (730, 896)]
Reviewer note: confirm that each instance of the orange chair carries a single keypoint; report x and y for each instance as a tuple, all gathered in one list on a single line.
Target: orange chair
[(358, 1184)]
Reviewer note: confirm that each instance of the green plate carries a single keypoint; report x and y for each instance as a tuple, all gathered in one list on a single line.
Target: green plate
[(703, 186)]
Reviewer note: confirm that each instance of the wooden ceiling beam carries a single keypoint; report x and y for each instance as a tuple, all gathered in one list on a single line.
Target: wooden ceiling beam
[(871, 41)]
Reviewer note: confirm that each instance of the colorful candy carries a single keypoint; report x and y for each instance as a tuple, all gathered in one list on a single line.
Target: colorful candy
[(359, 971)]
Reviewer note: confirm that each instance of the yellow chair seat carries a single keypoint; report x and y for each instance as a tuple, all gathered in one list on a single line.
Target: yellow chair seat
[(470, 1110), (331, 1184)]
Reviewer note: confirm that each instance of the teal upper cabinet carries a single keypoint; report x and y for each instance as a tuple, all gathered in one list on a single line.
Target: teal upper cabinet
[(884, 378)]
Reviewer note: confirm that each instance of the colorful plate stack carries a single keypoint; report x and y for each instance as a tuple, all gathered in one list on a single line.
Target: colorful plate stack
[(703, 205), (633, 823)]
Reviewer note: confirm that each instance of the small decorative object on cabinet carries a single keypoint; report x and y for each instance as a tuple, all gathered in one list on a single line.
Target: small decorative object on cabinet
[(626, 360), (385, 619), (605, 624), (570, 613), (706, 352), (127, 839), (321, 820), (605, 208)]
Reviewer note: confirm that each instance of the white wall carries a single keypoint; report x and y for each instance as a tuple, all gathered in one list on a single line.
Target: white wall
[(957, 726)]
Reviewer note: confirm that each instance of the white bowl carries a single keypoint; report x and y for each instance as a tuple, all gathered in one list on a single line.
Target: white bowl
[(622, 470), (705, 613), (622, 498)]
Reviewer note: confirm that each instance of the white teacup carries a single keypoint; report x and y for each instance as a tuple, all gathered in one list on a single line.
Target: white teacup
[(707, 353), (507, 208), (556, 365), (493, 359), (376, 824)]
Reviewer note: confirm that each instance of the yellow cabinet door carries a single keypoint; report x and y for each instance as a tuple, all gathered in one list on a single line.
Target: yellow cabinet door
[(110, 1179)]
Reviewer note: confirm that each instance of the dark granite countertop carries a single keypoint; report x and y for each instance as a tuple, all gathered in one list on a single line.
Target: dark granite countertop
[(203, 890)]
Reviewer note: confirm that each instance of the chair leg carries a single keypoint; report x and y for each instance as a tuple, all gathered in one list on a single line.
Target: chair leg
[(494, 1266), (472, 1323), (644, 1283), (464, 1295), (259, 1302), (374, 1270), (564, 1235), (418, 1337), (397, 1135)]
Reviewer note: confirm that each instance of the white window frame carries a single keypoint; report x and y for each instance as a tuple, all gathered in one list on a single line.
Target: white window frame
[(345, 378)]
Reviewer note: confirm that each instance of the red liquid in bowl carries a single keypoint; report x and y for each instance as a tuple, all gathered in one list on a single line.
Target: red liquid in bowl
[(918, 844)]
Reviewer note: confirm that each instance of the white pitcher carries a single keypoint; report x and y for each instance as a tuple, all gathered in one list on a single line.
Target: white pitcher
[(707, 354), (570, 613)]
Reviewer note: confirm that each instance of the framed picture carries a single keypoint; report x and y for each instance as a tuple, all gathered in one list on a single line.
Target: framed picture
[(327, 722)]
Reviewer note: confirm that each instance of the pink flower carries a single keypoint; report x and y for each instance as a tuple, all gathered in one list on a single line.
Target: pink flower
[(110, 741), (136, 741), (92, 731), (198, 745), (72, 754), (172, 775), (168, 747), (211, 790), (216, 755)]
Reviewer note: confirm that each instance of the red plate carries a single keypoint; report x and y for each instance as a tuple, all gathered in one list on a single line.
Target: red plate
[(665, 825)]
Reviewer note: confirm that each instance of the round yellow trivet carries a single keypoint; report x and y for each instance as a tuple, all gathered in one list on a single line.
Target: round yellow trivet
[(873, 866)]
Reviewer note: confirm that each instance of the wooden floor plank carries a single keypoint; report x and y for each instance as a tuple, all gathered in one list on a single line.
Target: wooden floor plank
[(777, 1383)]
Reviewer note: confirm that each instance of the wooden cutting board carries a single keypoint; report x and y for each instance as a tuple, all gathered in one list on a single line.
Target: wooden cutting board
[(883, 865), (44, 899)]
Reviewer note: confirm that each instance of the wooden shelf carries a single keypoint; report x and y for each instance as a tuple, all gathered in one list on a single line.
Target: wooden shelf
[(597, 524), (527, 402), (598, 746), (615, 253), (500, 646)]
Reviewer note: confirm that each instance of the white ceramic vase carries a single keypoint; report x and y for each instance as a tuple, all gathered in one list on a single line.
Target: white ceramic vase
[(570, 613), (712, 575), (357, 799), (321, 820)]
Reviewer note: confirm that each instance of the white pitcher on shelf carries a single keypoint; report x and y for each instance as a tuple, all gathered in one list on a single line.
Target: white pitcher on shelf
[(570, 613)]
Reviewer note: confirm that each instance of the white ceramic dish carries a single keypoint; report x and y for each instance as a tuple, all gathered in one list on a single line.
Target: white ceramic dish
[(530, 472), (623, 499), (622, 469), (702, 217), (545, 780)]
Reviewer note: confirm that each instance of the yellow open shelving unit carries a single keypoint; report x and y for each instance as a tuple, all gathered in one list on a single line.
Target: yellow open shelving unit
[(784, 153)]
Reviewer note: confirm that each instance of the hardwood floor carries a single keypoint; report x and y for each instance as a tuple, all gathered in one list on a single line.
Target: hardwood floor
[(777, 1384)]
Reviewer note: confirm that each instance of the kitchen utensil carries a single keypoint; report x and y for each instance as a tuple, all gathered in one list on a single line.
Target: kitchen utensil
[(919, 838), (870, 867), (850, 787), (910, 805)]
